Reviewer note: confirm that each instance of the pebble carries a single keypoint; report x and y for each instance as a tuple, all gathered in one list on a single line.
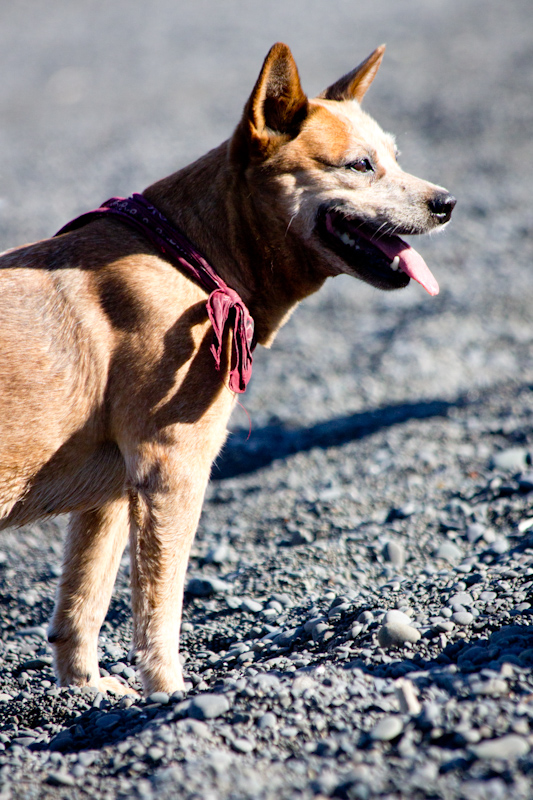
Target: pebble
[(107, 721), (462, 599), (407, 697), (60, 779), (448, 551), (208, 706), (506, 748), (243, 745), (394, 616), (204, 587), (267, 721), (397, 634), (474, 532), (218, 554), (513, 459), (463, 618), (161, 698), (394, 553), (387, 729), (248, 604)]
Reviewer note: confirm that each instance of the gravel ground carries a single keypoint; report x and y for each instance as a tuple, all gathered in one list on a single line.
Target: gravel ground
[(357, 619)]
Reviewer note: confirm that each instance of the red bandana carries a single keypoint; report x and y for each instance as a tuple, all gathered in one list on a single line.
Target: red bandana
[(143, 216)]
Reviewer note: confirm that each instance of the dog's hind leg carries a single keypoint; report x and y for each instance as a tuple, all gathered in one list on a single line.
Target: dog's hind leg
[(93, 549)]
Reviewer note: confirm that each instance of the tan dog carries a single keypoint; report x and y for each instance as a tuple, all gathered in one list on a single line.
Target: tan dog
[(111, 407)]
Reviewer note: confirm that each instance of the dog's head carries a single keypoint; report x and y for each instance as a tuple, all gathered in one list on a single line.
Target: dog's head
[(324, 176)]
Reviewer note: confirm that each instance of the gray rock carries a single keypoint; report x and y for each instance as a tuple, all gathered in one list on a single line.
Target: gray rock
[(60, 779), (475, 531), (514, 459), (161, 698), (506, 748), (448, 551), (208, 706), (248, 604), (397, 617), (397, 634), (394, 552), (266, 721), (461, 598), (242, 745), (407, 697), (463, 618), (107, 721), (204, 587), (387, 728)]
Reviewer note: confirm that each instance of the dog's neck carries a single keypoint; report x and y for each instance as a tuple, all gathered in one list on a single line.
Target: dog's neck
[(211, 203)]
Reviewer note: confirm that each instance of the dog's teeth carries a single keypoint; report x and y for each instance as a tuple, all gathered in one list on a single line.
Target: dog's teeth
[(347, 239), (395, 264)]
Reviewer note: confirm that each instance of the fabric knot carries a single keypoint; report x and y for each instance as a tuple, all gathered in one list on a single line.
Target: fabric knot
[(220, 305)]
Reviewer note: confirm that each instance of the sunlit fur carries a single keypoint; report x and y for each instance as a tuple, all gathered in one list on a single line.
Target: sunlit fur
[(110, 405)]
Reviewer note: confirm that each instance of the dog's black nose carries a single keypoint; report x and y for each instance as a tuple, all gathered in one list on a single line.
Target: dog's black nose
[(442, 205)]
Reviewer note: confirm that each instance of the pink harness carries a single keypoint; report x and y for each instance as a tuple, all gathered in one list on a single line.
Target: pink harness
[(222, 302)]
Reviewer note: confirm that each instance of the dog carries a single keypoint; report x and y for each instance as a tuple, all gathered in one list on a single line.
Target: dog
[(114, 401)]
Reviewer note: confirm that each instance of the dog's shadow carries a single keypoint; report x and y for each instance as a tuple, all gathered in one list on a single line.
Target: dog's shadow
[(247, 451)]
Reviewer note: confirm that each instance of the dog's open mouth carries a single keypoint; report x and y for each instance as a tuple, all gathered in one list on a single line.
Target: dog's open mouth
[(383, 260)]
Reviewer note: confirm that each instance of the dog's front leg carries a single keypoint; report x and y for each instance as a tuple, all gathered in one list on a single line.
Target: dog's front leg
[(166, 498), (94, 546)]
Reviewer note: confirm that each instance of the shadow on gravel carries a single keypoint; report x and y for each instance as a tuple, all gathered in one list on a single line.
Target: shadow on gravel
[(245, 453)]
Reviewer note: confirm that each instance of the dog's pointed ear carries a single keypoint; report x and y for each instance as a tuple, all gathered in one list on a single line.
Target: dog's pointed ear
[(278, 105), (355, 84)]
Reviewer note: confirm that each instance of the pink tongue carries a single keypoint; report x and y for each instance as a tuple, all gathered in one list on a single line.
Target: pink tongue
[(411, 262)]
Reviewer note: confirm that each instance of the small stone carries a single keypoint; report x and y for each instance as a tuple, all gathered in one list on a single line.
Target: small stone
[(310, 623), (514, 459), (397, 634), (499, 546), (387, 729), (474, 531), (394, 553), (319, 631), (218, 554), (208, 706), (462, 599), (406, 694), (161, 698), (463, 618), (204, 587), (107, 721), (397, 617), (248, 604), (355, 630), (242, 745), (506, 748), (449, 552), (444, 626), (60, 779), (266, 721)]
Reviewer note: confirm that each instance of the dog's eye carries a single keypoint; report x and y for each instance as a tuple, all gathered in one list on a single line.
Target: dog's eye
[(361, 165)]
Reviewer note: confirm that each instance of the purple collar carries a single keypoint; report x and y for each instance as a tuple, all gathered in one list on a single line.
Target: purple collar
[(173, 245)]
